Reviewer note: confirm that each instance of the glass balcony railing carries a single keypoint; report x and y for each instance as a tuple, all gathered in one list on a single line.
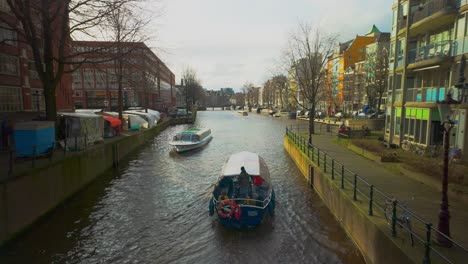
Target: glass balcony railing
[(460, 46), (462, 2), (432, 7), (433, 50), (426, 94)]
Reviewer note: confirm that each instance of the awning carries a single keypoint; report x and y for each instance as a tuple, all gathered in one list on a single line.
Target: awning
[(112, 120)]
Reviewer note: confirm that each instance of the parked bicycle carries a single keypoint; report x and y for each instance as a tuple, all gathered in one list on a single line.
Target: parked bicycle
[(403, 220)]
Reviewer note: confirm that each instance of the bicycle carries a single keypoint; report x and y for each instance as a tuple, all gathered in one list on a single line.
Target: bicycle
[(403, 220)]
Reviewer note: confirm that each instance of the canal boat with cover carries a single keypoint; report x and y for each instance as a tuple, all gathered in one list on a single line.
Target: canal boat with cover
[(191, 139), (243, 192)]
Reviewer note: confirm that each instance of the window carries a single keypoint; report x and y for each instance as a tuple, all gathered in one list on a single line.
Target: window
[(100, 80), (88, 78), (4, 6), (7, 35), (38, 100), (77, 80), (11, 99), (32, 70), (8, 65)]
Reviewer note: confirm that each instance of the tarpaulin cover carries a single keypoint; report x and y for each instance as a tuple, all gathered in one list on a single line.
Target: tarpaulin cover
[(112, 120)]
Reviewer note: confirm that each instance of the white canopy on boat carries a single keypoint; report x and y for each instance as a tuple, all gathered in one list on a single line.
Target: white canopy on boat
[(250, 161)]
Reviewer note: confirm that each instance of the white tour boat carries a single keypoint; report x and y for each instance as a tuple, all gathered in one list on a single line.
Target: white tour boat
[(191, 139)]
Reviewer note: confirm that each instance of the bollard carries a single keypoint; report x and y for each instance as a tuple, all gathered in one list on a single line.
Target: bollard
[(427, 245), (333, 169), (355, 187), (371, 199)]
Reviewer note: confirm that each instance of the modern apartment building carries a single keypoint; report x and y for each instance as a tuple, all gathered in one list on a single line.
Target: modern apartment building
[(428, 40), (146, 80), (365, 81)]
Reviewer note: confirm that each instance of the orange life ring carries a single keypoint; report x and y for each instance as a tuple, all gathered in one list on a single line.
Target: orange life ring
[(234, 209)]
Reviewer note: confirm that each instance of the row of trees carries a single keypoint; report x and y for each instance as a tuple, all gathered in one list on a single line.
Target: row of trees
[(48, 26), (305, 60)]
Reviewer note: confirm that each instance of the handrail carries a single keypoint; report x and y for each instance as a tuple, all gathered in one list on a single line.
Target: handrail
[(362, 189)]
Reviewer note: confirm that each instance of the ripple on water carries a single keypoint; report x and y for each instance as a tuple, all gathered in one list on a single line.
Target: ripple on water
[(154, 208)]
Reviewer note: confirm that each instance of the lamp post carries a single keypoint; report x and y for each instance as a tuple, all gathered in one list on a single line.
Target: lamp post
[(444, 215)]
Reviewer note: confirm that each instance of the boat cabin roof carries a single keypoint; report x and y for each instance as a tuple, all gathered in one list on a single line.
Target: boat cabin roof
[(195, 131), (252, 162)]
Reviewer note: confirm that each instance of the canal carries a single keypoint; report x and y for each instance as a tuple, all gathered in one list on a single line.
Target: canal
[(154, 208)]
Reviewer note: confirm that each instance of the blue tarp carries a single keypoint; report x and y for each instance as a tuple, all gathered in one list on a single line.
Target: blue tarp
[(34, 138)]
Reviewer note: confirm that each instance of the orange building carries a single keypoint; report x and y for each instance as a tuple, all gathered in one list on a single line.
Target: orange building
[(344, 56)]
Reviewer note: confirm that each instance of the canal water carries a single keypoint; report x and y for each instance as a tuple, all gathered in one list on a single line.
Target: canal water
[(154, 208)]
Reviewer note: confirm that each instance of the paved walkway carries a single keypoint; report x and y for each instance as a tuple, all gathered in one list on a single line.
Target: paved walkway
[(426, 202)]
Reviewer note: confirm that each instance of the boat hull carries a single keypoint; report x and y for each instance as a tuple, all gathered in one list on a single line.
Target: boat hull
[(187, 146), (250, 217)]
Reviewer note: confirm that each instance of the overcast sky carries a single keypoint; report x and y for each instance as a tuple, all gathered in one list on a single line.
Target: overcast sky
[(231, 42)]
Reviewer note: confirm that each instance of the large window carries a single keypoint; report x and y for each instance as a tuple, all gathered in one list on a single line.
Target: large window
[(77, 80), (11, 99), (7, 35), (101, 81), (416, 125), (88, 77), (8, 64), (38, 100)]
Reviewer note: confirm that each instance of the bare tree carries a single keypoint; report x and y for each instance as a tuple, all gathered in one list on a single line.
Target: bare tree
[(124, 27), (376, 68), (193, 89), (47, 27), (281, 91), (306, 58)]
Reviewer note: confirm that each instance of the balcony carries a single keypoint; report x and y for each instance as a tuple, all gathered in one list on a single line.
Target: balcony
[(425, 94), (460, 46), (430, 54), (433, 7)]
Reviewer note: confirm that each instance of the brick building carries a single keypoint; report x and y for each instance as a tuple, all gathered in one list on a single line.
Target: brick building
[(146, 81), (20, 87)]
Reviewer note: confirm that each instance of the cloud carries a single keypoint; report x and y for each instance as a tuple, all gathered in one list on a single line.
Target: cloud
[(232, 42)]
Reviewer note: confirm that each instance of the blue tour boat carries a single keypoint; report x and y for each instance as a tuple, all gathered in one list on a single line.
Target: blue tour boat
[(243, 192)]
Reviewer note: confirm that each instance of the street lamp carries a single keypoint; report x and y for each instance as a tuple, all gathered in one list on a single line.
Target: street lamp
[(444, 215)]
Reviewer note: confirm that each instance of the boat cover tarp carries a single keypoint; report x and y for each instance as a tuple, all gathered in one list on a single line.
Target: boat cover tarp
[(150, 119), (34, 138), (112, 120), (254, 165), (81, 129)]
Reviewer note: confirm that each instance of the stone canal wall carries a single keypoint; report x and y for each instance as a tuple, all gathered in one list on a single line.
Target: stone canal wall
[(375, 244), (32, 194)]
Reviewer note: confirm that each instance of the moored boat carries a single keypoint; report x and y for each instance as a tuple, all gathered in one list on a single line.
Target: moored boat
[(191, 139), (243, 192), (244, 113)]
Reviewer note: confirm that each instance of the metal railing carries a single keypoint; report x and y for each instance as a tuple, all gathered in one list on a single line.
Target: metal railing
[(432, 50), (430, 8), (375, 200)]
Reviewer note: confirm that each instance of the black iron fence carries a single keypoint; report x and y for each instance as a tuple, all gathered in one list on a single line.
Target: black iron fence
[(417, 233)]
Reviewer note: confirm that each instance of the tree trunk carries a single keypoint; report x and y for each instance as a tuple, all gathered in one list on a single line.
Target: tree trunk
[(50, 102)]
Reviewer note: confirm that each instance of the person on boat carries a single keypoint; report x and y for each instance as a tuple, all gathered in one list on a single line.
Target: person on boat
[(223, 196), (244, 183)]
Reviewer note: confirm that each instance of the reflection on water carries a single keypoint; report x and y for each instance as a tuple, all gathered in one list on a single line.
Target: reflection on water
[(154, 208)]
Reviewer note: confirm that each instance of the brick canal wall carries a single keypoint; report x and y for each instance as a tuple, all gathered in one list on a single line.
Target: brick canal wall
[(32, 194), (375, 244)]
